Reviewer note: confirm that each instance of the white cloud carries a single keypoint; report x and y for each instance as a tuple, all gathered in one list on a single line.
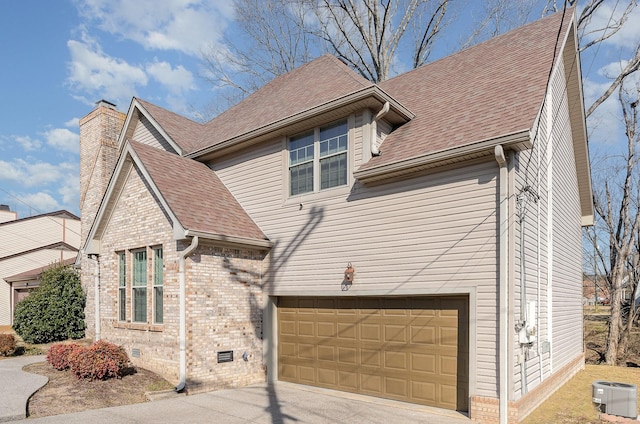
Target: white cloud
[(72, 123), (27, 143), (177, 80), (63, 139), (40, 201), (183, 25), (32, 174), (99, 75)]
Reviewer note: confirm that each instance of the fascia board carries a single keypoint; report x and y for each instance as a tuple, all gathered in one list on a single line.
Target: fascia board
[(136, 105), (518, 140), (231, 240), (372, 91)]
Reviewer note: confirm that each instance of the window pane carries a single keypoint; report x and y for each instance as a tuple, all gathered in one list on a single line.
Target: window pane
[(157, 286), (122, 306), (140, 304), (158, 276), (333, 171), (157, 300), (122, 270), (140, 268), (333, 130), (301, 178), (300, 149)]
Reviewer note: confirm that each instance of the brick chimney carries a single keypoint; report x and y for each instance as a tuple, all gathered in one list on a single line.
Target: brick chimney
[(99, 132), (6, 215)]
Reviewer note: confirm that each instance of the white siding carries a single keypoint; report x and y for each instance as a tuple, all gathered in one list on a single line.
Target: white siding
[(433, 234), (25, 235), (146, 133), (567, 337), (563, 291)]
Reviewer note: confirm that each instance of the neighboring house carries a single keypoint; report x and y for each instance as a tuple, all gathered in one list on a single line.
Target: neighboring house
[(29, 245), (368, 238)]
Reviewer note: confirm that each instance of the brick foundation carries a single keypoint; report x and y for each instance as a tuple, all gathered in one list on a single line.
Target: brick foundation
[(486, 410)]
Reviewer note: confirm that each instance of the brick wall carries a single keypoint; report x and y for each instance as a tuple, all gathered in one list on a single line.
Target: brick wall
[(224, 298)]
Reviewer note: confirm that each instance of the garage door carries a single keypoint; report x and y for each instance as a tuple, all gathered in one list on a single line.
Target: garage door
[(409, 349)]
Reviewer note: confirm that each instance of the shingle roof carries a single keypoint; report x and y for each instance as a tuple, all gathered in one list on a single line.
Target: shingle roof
[(487, 91), (490, 90), (35, 273), (317, 82), (195, 194)]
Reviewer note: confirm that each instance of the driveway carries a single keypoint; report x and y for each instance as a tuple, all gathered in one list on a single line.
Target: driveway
[(277, 403)]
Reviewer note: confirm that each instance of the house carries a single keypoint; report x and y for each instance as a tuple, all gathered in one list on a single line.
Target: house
[(417, 239), (27, 247)]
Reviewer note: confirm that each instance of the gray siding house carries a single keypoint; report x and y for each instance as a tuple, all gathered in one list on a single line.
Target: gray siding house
[(417, 239)]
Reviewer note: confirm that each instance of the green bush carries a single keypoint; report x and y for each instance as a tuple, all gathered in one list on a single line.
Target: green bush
[(7, 344), (55, 310), (100, 361)]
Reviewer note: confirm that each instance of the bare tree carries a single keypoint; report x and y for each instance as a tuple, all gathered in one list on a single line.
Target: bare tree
[(273, 39), (279, 35), (617, 205), (367, 33)]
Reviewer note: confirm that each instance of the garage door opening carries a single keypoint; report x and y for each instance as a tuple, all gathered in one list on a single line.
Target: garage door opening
[(413, 349)]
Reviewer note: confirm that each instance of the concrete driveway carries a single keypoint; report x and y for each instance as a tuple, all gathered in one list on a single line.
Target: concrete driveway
[(278, 403)]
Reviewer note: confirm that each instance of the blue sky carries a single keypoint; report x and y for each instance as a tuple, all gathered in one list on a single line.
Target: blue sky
[(59, 57)]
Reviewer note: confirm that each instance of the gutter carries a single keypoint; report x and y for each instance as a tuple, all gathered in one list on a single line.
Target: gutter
[(503, 286), (518, 140), (182, 333)]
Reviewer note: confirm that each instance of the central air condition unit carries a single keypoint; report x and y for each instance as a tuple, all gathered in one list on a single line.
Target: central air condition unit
[(616, 398)]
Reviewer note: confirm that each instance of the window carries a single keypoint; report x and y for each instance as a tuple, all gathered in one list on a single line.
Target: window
[(122, 287), (320, 152), (139, 286), (158, 278)]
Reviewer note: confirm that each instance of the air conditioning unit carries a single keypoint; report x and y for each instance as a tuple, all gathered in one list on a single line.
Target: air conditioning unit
[(616, 398)]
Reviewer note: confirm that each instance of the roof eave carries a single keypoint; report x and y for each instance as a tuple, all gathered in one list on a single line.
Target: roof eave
[(519, 140), (260, 244), (398, 114)]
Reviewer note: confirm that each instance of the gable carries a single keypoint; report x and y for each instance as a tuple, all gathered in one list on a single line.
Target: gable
[(193, 199)]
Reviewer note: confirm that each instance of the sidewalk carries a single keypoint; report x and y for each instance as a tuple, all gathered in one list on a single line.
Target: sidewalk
[(16, 386)]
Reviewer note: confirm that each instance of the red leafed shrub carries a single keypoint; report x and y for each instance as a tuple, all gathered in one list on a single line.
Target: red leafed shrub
[(100, 361), (59, 354), (7, 344)]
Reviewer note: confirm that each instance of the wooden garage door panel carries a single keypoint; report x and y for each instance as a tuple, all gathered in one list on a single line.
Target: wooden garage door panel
[(410, 349)]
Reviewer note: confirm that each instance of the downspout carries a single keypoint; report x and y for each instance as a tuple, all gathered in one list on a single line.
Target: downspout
[(503, 286), (182, 334), (96, 293), (375, 151)]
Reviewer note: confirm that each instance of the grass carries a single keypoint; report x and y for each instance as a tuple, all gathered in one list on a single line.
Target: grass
[(572, 402)]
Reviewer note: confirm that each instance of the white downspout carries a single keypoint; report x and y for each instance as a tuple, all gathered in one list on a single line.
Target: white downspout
[(182, 299), (503, 286), (375, 151), (96, 294)]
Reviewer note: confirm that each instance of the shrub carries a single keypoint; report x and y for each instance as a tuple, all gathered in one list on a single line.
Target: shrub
[(59, 354), (100, 361), (55, 310), (7, 344)]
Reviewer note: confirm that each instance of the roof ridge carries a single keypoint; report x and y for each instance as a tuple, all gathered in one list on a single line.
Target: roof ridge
[(494, 39)]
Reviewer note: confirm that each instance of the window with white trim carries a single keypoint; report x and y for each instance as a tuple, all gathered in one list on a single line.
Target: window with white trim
[(139, 286), (318, 159), (158, 286), (122, 287)]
